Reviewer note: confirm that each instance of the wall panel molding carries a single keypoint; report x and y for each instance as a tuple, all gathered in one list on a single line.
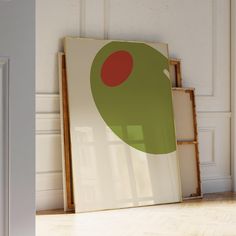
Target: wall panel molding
[(217, 184), (48, 143), (47, 103), (54, 21), (219, 97), (49, 181), (49, 185), (106, 18), (93, 18), (207, 137), (4, 157), (213, 115), (82, 18), (48, 123), (49, 199), (214, 147)]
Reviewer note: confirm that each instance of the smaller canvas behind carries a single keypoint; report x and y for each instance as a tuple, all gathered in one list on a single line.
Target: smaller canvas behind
[(189, 170), (186, 130), (184, 116)]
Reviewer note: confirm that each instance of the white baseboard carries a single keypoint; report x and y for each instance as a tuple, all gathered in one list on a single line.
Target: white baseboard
[(217, 184)]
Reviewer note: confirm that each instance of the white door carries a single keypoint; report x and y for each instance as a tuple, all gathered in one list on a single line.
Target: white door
[(17, 76)]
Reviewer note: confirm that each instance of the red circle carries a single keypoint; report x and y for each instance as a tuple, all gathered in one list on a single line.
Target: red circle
[(117, 68)]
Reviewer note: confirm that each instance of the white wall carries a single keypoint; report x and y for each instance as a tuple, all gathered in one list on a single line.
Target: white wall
[(198, 32)]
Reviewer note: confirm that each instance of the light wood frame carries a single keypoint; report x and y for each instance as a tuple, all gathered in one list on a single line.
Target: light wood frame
[(176, 63), (191, 92), (65, 133)]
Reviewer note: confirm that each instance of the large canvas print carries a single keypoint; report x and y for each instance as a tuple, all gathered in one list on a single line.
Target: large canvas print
[(121, 123)]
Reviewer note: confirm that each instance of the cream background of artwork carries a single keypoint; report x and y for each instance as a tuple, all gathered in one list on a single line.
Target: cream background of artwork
[(110, 174)]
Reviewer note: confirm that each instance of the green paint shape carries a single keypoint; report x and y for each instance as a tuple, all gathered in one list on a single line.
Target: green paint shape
[(133, 95)]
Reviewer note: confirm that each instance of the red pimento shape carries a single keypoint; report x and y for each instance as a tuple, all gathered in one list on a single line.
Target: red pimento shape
[(117, 68)]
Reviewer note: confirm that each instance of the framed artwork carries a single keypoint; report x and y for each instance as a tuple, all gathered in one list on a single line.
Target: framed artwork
[(175, 72), (187, 146), (123, 148)]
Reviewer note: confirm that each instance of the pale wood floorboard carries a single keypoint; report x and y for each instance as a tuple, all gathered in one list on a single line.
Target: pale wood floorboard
[(215, 215)]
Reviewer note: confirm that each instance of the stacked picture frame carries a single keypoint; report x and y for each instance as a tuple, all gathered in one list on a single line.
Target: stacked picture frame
[(175, 73), (187, 138), (65, 133)]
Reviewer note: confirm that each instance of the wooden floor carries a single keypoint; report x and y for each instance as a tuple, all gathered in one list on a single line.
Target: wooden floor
[(214, 215)]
